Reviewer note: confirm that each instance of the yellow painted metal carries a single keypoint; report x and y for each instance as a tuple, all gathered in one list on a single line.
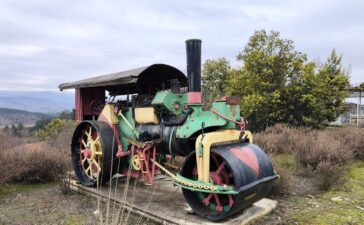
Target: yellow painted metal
[(248, 135), (145, 115), (135, 162), (96, 160), (108, 115), (208, 140)]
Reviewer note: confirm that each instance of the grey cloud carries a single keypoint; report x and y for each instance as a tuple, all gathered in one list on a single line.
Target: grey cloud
[(45, 43)]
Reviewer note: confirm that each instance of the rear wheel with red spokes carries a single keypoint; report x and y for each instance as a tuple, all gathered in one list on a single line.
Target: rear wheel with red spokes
[(94, 152)]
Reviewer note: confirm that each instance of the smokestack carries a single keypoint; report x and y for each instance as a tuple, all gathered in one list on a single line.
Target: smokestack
[(193, 49)]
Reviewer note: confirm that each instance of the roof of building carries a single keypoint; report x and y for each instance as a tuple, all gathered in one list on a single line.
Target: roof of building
[(154, 74)]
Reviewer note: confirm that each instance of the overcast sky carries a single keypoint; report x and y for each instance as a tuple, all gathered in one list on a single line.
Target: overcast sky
[(44, 42)]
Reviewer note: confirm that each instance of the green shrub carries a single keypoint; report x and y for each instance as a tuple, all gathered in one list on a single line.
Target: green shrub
[(53, 128)]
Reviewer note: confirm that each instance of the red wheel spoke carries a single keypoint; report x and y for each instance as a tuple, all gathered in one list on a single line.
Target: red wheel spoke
[(218, 171), (219, 207), (207, 200), (231, 200), (220, 174)]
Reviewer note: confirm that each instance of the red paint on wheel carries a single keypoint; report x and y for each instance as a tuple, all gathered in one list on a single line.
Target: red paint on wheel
[(88, 153), (248, 157)]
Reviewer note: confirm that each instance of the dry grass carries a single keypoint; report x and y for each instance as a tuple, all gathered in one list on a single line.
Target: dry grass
[(329, 175), (44, 204), (282, 186), (281, 139), (350, 138), (319, 153), (26, 164), (33, 162)]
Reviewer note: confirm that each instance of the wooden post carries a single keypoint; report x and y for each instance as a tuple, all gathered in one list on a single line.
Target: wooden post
[(359, 106), (78, 105)]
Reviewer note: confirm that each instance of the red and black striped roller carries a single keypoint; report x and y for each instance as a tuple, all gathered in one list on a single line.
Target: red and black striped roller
[(244, 166)]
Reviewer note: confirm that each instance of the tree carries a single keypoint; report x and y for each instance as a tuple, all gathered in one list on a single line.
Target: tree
[(67, 115), (215, 78), (269, 64), (53, 128), (318, 95), (6, 129), (361, 85), (40, 124), (18, 130), (277, 84)]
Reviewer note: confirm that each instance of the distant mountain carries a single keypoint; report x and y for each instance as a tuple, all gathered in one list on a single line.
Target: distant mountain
[(43, 102), (13, 116)]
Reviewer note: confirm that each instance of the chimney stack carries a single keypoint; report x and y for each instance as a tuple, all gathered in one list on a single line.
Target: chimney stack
[(193, 50)]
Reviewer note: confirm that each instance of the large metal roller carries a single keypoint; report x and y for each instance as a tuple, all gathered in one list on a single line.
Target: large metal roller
[(244, 166)]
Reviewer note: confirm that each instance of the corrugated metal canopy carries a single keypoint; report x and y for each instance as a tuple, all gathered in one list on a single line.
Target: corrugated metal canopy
[(149, 75)]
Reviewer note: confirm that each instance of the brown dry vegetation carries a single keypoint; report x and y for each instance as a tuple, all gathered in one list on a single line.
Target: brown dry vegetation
[(23, 160), (323, 154), (307, 161)]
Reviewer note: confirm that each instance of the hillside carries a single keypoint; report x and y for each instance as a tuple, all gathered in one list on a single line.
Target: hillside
[(42, 102), (14, 116)]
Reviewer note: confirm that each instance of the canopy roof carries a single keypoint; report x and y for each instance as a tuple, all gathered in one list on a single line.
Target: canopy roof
[(152, 75)]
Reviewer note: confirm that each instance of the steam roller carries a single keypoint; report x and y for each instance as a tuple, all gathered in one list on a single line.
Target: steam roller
[(159, 116)]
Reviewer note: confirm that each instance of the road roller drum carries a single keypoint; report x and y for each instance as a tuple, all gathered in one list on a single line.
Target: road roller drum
[(244, 166)]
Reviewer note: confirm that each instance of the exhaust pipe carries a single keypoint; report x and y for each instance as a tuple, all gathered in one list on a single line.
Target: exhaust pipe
[(193, 50)]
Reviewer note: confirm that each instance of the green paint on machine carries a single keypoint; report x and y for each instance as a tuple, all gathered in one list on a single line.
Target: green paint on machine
[(194, 122), (169, 101)]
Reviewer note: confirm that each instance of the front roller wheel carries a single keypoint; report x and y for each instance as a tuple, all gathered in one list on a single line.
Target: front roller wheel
[(94, 153), (211, 206), (243, 166)]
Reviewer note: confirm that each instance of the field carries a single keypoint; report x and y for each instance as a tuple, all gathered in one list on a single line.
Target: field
[(43, 204), (304, 205), (322, 179)]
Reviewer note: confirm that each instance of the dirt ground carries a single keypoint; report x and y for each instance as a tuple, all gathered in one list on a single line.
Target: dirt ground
[(305, 205), (46, 204), (43, 204)]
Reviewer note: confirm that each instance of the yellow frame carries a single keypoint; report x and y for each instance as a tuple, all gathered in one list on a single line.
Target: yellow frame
[(206, 141)]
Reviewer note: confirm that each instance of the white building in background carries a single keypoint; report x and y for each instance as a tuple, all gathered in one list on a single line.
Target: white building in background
[(354, 115)]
